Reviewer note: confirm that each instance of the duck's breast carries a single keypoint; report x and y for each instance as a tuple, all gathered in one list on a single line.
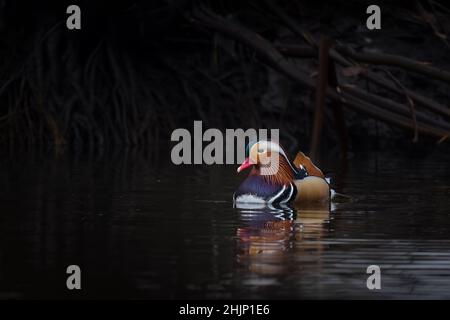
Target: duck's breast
[(255, 189)]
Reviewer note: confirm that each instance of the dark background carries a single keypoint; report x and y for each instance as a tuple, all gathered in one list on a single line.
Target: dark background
[(139, 69), (85, 172)]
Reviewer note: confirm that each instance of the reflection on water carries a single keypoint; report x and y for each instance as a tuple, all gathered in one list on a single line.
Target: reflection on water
[(140, 227), (264, 236), (268, 234)]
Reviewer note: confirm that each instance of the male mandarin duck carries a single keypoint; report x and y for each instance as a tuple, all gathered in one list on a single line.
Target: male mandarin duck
[(280, 181)]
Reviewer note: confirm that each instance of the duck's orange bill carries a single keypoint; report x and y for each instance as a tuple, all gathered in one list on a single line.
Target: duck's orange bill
[(244, 165)]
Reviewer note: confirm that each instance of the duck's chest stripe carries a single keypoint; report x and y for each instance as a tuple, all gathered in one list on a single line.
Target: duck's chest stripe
[(291, 192), (278, 195), (284, 195)]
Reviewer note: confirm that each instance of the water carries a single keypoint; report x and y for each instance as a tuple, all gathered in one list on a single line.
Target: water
[(140, 227)]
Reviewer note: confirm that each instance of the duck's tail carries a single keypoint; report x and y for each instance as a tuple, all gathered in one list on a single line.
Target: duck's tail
[(302, 160), (339, 197), (336, 196)]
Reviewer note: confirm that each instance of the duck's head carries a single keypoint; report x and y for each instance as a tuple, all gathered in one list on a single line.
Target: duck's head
[(268, 159)]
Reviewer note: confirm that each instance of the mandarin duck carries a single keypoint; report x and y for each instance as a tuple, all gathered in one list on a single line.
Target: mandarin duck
[(274, 179)]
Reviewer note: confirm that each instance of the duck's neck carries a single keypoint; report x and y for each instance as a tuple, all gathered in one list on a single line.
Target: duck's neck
[(281, 174)]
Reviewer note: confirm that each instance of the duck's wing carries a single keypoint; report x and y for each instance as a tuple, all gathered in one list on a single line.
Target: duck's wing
[(302, 160)]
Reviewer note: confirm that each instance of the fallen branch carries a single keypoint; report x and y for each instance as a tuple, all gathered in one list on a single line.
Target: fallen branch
[(390, 117), (302, 51), (336, 56), (393, 106), (422, 100), (265, 50), (396, 61)]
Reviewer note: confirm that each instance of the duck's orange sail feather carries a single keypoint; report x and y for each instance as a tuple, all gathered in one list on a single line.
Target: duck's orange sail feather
[(302, 159)]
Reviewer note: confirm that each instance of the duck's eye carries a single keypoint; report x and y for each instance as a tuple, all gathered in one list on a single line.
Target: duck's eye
[(261, 150)]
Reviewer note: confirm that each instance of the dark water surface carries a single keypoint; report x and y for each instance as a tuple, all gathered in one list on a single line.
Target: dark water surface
[(140, 227)]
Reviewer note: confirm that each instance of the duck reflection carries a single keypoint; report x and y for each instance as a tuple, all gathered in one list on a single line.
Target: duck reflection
[(271, 235)]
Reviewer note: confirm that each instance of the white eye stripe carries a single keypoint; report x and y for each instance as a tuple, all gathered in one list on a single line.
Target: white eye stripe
[(263, 146), (266, 145)]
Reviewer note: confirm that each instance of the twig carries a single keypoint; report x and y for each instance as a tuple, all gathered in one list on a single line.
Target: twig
[(410, 103), (290, 23), (431, 20)]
